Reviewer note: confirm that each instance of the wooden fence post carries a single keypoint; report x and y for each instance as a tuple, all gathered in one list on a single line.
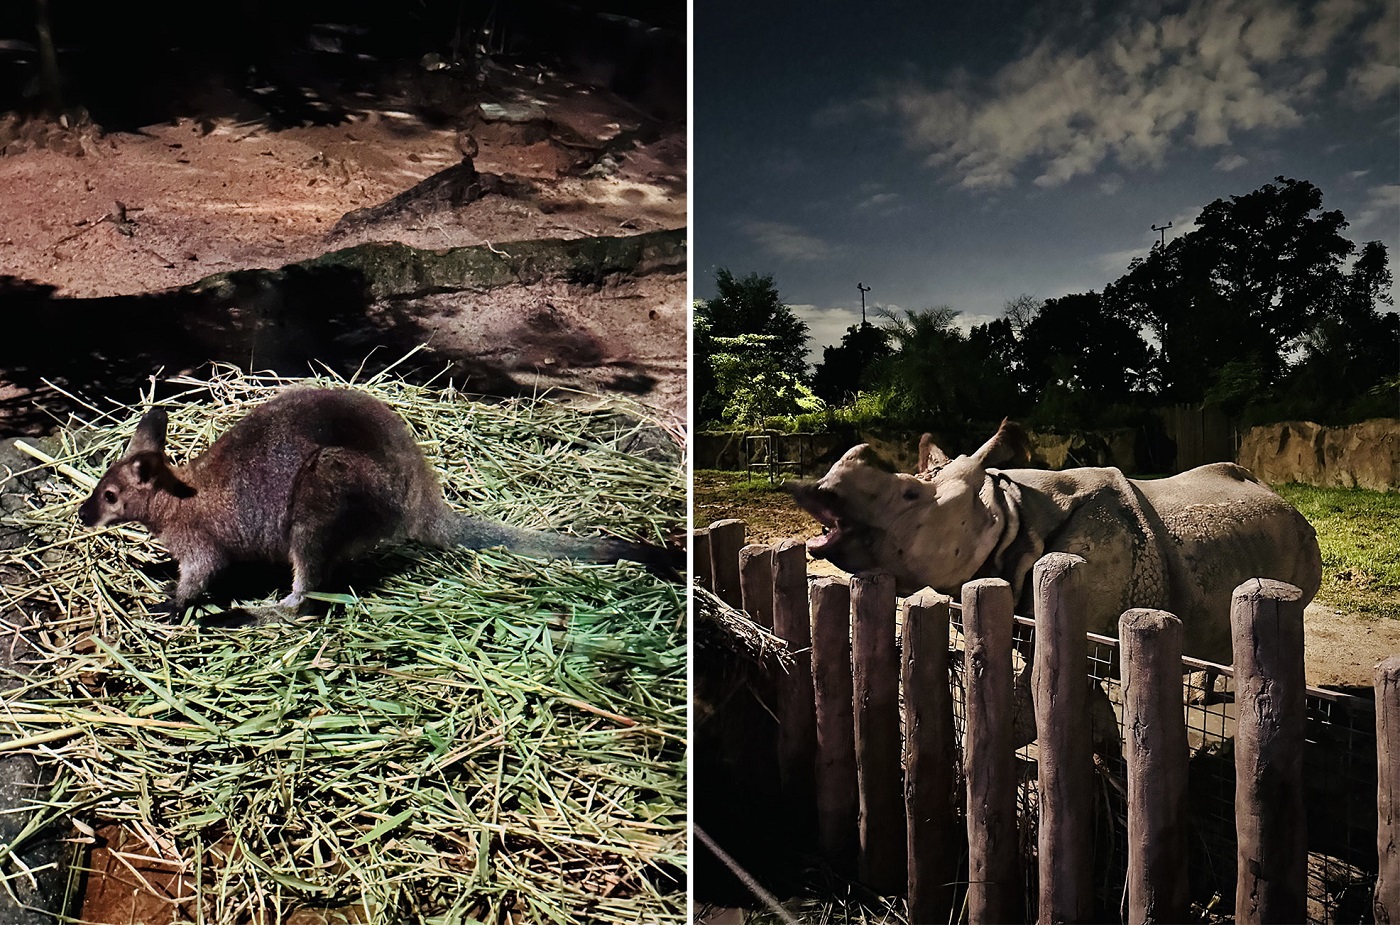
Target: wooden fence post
[(797, 724), (930, 758), (837, 805), (989, 758), (700, 558), (1266, 621), (1387, 904), (726, 538), (1060, 682), (756, 583), (1156, 752), (883, 864)]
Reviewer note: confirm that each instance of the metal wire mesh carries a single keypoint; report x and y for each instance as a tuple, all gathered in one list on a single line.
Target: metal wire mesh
[(1339, 770)]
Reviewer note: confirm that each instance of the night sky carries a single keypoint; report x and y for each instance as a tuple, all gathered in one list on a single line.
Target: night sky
[(964, 154)]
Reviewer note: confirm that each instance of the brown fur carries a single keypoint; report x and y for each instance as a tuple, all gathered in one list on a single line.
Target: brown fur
[(314, 477)]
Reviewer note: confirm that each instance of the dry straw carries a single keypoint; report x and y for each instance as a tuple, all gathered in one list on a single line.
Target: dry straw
[(461, 737)]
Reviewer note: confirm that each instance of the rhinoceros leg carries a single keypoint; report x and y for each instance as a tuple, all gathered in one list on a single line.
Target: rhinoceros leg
[(1204, 688), (1103, 720)]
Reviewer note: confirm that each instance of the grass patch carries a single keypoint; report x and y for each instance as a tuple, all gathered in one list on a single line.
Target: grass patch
[(1359, 533), (464, 737)]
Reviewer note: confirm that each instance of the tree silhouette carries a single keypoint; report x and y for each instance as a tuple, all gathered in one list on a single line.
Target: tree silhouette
[(850, 367), (1258, 273)]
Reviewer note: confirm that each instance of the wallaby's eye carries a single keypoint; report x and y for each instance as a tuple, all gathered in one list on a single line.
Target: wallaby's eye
[(911, 494), (109, 496)]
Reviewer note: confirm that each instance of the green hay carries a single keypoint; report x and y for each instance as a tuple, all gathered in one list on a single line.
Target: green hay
[(469, 736)]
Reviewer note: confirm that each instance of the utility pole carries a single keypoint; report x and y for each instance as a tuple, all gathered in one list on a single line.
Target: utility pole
[(863, 290), (1162, 232)]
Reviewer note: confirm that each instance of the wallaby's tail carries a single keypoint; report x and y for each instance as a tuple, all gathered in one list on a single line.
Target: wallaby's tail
[(476, 533)]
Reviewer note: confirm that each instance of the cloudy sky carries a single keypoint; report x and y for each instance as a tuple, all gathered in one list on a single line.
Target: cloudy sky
[(964, 154)]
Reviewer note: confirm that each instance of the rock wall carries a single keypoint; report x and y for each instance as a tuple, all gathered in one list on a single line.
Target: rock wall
[(1365, 455)]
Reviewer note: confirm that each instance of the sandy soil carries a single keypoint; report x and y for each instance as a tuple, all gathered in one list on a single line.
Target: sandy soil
[(1340, 650), (98, 214)]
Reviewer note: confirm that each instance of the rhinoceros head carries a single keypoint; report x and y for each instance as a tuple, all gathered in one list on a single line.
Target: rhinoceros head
[(934, 529)]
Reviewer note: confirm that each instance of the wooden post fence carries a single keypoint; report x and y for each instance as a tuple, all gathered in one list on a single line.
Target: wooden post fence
[(1066, 778), (837, 803), (1266, 620), (994, 885), (797, 725), (930, 758), (756, 583), (1387, 902), (700, 558), (1156, 752), (726, 539), (882, 861)]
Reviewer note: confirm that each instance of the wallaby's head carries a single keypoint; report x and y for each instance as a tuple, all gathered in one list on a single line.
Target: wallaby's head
[(126, 490)]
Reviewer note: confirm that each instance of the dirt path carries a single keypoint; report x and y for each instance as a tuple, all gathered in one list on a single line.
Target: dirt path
[(97, 215), (1340, 650)]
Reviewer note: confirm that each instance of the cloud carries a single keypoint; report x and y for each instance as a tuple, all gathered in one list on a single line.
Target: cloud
[(787, 242), (1138, 89), (1379, 75), (1382, 206), (1116, 262), (826, 326), (877, 201), (1231, 162)]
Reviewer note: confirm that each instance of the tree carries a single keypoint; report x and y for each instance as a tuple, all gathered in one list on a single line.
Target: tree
[(939, 376), (1254, 277), (849, 368), (752, 306), (748, 344), (1099, 355), (1351, 354)]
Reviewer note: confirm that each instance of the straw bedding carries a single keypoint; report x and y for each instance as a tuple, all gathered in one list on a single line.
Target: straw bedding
[(460, 736)]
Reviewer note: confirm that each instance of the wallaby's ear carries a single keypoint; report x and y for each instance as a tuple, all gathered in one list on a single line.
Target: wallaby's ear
[(150, 433), (1009, 446), (153, 471), (930, 456)]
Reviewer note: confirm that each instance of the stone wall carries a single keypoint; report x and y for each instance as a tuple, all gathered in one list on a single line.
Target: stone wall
[(1365, 455)]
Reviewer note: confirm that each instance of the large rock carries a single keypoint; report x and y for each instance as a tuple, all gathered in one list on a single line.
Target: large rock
[(1365, 455)]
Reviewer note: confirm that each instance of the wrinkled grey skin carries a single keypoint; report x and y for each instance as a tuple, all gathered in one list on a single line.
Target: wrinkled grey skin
[(1181, 544)]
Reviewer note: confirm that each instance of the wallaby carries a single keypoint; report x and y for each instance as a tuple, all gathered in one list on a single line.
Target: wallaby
[(313, 477)]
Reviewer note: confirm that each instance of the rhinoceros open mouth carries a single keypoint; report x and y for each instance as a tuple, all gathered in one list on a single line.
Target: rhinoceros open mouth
[(824, 505)]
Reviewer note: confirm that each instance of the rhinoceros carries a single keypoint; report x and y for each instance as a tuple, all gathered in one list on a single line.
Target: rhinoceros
[(1180, 544)]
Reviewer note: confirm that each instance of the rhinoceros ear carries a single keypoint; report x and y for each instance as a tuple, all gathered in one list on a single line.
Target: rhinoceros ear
[(931, 457), (1008, 447)]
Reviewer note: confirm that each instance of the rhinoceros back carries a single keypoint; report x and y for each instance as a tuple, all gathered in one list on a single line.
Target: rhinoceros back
[(1222, 527)]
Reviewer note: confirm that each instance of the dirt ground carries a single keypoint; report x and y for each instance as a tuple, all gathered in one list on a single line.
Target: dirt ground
[(1340, 650), (97, 214)]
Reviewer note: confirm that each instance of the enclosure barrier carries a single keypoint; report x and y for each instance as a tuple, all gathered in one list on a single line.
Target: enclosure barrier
[(883, 715)]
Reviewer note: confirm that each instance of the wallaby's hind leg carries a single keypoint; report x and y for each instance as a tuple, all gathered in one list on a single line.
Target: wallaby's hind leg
[(345, 504)]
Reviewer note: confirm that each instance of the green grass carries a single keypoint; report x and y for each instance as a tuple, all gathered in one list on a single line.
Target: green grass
[(465, 736), (1359, 532)]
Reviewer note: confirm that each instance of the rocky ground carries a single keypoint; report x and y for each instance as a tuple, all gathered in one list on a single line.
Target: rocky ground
[(224, 187)]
